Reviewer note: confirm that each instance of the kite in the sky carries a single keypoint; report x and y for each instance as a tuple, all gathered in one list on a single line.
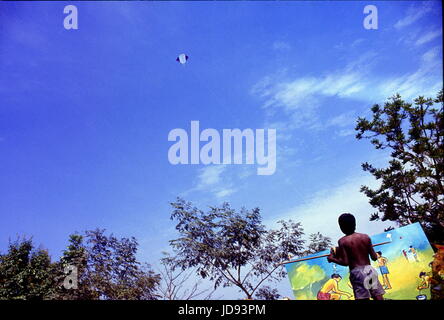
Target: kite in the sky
[(182, 58)]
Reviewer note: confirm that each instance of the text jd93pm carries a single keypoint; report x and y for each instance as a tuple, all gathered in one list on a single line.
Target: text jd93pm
[(244, 309)]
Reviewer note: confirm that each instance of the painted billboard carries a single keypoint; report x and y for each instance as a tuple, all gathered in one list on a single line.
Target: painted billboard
[(403, 265)]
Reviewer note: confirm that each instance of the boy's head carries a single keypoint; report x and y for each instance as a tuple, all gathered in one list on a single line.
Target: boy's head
[(347, 223), (379, 253)]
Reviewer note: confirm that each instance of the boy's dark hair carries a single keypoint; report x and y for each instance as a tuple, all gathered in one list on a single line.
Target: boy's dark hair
[(422, 274), (347, 223), (336, 275), (379, 252)]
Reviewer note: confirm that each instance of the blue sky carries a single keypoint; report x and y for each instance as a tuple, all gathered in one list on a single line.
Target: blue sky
[(85, 114)]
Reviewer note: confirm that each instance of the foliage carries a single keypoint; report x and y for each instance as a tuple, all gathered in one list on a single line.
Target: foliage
[(108, 268), (411, 187), (318, 243), (26, 272), (267, 293), (232, 248), (75, 255)]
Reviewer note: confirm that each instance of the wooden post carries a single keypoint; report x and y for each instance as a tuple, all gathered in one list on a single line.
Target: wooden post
[(326, 255)]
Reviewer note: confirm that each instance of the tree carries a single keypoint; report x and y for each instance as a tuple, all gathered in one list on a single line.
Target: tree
[(411, 187), (176, 283), (107, 269), (267, 293), (75, 255), (318, 243), (232, 248), (113, 270), (26, 273)]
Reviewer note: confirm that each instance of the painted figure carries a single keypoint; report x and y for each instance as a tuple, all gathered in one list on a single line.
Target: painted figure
[(330, 290), (425, 281), (414, 254), (405, 254), (382, 263)]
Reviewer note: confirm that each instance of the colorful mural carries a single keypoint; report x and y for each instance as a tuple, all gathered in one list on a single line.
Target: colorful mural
[(403, 265)]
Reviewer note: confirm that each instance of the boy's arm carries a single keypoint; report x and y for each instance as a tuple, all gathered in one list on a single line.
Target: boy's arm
[(371, 250), (338, 257)]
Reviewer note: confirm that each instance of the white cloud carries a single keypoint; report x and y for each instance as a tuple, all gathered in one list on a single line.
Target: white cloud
[(224, 192), (210, 175), (346, 132), (426, 80), (345, 122), (345, 119), (413, 14), (427, 37), (357, 42), (215, 180), (296, 103), (320, 213), (281, 45), (300, 99)]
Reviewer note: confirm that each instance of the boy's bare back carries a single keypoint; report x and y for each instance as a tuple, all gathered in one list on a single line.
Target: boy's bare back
[(354, 250)]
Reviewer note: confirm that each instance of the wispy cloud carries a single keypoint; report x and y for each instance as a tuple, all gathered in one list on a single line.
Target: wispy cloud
[(300, 99), (346, 132), (426, 80), (211, 179), (343, 120), (210, 175), (297, 103), (281, 45), (225, 192), (328, 204), (427, 37), (414, 13), (214, 180)]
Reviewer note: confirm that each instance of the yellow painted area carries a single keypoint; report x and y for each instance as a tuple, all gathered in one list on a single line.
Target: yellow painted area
[(404, 276)]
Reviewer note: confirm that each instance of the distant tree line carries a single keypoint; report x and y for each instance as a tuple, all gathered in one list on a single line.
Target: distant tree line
[(230, 248), (105, 268)]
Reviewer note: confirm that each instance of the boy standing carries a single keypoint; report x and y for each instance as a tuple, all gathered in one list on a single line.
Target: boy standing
[(353, 251), (382, 263)]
